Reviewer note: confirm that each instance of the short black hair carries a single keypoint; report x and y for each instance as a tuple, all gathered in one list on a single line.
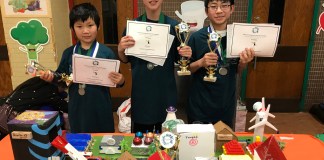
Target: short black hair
[(223, 1), (82, 12)]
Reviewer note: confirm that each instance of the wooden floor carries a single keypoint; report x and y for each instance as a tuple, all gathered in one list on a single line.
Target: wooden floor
[(292, 123)]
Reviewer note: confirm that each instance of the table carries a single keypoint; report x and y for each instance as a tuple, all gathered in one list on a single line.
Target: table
[(298, 146)]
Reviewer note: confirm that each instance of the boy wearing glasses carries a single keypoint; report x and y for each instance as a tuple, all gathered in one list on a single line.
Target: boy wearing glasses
[(210, 102)]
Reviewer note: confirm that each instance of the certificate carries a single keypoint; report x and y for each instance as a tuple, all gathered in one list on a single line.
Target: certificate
[(151, 39), (158, 61), (263, 38), (94, 71)]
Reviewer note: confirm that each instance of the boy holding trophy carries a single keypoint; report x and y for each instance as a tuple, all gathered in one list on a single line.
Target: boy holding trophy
[(212, 96), (90, 106), (153, 86)]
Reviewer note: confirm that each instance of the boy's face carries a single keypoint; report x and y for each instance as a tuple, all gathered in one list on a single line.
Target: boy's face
[(152, 5), (86, 31), (219, 13)]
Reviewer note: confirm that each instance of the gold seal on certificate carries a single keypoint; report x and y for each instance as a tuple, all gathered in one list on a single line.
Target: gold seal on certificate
[(34, 68), (182, 32), (213, 38)]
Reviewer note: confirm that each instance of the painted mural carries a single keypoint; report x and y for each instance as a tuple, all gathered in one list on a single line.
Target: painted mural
[(25, 8)]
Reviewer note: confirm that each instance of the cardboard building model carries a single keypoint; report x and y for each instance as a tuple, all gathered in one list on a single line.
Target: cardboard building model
[(223, 134), (126, 156)]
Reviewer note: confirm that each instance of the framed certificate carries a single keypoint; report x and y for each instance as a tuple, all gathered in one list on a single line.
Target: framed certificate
[(88, 70)]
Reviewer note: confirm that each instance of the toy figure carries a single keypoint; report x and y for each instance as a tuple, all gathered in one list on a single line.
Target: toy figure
[(171, 113)]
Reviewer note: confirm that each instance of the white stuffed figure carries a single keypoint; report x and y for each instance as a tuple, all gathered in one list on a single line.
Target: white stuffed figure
[(124, 124)]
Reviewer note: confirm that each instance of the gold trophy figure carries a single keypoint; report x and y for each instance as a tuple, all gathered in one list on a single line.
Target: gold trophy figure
[(182, 32), (175, 148), (34, 68), (213, 38)]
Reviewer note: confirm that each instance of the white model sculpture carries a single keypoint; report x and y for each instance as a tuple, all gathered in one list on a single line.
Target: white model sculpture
[(171, 113), (193, 13), (261, 119)]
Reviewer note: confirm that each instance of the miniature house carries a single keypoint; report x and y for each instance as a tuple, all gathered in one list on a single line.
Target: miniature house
[(223, 134)]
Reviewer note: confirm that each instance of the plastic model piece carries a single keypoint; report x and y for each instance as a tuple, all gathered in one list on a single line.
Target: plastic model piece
[(234, 157), (110, 144), (233, 148), (80, 142), (269, 149), (171, 113), (261, 119), (254, 145), (61, 144)]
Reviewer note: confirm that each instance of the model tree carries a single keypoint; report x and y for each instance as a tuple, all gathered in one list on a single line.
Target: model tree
[(125, 146)]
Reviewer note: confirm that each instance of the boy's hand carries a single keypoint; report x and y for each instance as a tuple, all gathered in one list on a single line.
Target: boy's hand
[(185, 51), (116, 78), (209, 59), (47, 76), (247, 55), (125, 42)]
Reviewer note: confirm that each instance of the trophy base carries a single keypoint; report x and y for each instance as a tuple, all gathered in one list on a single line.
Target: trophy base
[(183, 73), (68, 83), (210, 79)]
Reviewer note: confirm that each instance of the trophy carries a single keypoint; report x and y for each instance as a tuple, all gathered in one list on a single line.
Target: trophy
[(213, 38), (169, 142), (33, 69), (182, 32)]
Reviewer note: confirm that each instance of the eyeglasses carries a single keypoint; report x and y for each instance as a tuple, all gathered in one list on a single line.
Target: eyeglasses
[(222, 7)]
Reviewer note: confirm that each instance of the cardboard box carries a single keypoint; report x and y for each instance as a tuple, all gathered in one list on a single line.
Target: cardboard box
[(196, 140), (31, 134)]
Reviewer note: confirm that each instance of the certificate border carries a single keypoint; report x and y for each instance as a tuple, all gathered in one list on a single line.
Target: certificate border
[(154, 24)]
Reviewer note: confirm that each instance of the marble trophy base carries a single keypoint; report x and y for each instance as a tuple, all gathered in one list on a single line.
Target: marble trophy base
[(210, 79), (183, 73)]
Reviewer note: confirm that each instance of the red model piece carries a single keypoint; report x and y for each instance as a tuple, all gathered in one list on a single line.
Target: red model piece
[(137, 141), (269, 149), (159, 155), (233, 148), (252, 146)]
